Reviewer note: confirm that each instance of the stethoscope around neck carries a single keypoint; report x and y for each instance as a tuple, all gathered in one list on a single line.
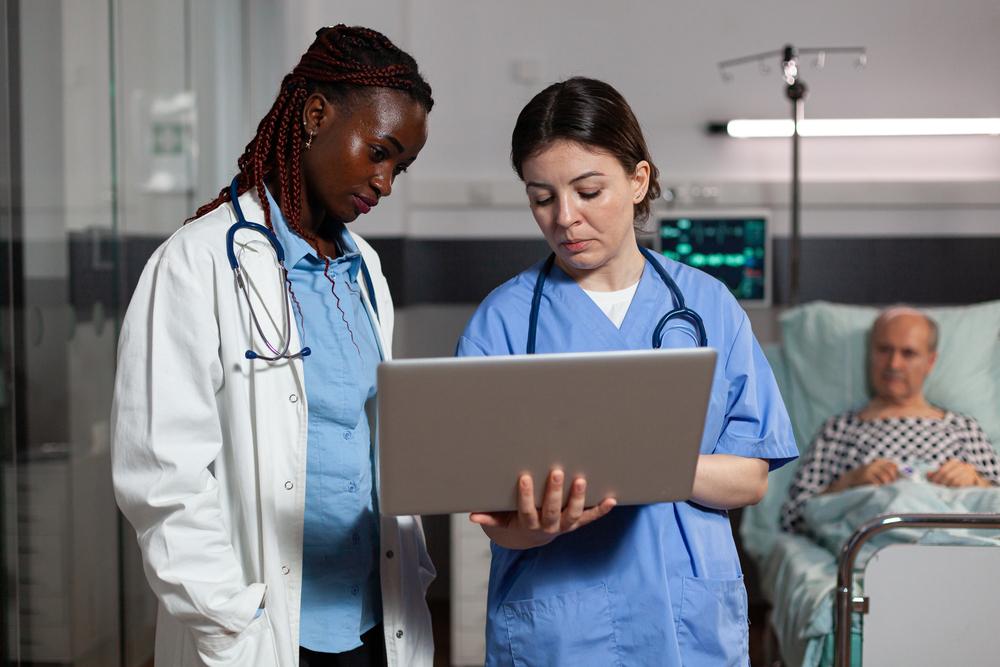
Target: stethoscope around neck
[(680, 311), (276, 352)]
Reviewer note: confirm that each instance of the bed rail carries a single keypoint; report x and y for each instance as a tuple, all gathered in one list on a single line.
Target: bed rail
[(846, 603)]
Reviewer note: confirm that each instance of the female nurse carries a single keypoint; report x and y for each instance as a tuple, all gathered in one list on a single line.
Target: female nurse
[(242, 451), (641, 585)]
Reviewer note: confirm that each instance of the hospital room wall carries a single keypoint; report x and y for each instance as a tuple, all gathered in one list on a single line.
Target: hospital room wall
[(872, 208), (486, 60)]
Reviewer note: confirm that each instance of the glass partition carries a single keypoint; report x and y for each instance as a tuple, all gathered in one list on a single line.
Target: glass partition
[(115, 119)]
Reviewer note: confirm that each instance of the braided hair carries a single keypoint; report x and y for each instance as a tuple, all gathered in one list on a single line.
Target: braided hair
[(340, 63)]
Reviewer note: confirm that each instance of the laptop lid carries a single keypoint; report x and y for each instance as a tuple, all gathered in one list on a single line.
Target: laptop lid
[(456, 433)]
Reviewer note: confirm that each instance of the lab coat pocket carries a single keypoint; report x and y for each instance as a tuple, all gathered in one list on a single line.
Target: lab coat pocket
[(712, 623), (254, 647), (575, 628)]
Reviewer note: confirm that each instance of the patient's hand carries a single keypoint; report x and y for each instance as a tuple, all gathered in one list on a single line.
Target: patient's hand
[(528, 527), (956, 473), (878, 472)]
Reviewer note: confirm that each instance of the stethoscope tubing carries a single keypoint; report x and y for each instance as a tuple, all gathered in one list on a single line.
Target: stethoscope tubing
[(679, 312), (242, 223)]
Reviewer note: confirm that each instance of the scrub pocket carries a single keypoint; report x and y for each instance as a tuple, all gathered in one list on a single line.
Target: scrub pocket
[(575, 628), (254, 647), (712, 623)]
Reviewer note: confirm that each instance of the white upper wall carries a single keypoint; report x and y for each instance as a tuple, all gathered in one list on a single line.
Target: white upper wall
[(926, 58), (486, 60)]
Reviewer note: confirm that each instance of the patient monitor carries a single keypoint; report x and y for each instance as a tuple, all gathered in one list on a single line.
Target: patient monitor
[(734, 247)]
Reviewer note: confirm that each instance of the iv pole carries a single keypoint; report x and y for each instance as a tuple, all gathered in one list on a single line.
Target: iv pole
[(795, 91)]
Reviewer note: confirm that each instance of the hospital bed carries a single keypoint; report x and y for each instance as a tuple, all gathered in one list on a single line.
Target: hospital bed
[(900, 602)]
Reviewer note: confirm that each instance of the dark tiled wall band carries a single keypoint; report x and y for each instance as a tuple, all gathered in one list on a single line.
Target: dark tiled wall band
[(942, 270)]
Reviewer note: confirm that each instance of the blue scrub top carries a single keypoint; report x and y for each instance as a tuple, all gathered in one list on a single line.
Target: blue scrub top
[(341, 596), (645, 585)]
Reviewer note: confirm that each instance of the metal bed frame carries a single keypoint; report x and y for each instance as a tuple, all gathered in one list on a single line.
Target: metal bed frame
[(847, 603)]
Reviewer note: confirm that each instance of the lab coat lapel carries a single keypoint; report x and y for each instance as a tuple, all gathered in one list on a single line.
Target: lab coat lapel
[(280, 408)]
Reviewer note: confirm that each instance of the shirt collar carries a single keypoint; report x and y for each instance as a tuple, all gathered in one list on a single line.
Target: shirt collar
[(298, 249)]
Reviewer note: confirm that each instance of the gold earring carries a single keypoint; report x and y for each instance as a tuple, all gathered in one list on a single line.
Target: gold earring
[(311, 133)]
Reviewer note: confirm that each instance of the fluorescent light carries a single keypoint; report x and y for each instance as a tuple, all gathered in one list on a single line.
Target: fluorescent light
[(865, 127)]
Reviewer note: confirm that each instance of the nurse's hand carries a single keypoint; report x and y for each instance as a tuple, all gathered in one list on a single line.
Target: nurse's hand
[(530, 527)]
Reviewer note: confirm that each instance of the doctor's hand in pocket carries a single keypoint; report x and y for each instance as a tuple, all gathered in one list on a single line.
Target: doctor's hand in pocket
[(531, 527)]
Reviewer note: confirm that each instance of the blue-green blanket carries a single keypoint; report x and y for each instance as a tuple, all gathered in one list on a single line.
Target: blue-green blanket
[(800, 574)]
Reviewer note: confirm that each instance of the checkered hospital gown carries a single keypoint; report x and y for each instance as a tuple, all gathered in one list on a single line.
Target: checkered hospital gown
[(846, 442)]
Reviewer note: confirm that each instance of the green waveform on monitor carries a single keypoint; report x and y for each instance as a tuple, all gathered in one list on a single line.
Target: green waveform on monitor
[(713, 259)]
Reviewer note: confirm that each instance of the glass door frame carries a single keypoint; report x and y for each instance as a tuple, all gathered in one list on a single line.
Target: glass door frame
[(11, 338)]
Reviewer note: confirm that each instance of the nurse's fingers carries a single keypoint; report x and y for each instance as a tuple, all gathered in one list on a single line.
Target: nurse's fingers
[(595, 512), (491, 519), (526, 513), (574, 508), (552, 502)]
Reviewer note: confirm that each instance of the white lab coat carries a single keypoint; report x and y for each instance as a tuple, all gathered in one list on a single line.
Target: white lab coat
[(209, 458)]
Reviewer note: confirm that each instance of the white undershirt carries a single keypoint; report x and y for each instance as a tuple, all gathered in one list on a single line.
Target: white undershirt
[(614, 304)]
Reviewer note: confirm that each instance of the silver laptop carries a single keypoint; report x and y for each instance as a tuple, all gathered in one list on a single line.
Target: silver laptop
[(456, 433)]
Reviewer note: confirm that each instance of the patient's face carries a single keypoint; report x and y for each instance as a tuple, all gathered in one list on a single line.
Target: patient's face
[(901, 357)]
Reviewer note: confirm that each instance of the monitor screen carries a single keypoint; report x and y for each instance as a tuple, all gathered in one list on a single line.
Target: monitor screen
[(732, 249)]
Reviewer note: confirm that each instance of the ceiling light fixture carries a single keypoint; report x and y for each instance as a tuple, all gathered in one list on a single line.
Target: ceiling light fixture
[(859, 127)]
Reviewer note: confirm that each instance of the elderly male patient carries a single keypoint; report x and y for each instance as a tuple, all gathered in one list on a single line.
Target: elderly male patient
[(898, 431)]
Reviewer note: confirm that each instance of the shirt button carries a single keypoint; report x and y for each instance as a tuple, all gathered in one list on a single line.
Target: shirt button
[(348, 435), (389, 554), (399, 634), (352, 487), (284, 569), (355, 590), (292, 398), (289, 485)]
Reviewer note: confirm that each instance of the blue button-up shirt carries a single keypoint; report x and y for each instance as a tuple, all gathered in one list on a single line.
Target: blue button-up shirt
[(341, 597)]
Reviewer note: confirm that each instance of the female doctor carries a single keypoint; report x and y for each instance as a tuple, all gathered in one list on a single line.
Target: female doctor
[(242, 449), (643, 585)]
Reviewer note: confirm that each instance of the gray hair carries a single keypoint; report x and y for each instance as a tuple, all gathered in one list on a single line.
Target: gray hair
[(902, 309)]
